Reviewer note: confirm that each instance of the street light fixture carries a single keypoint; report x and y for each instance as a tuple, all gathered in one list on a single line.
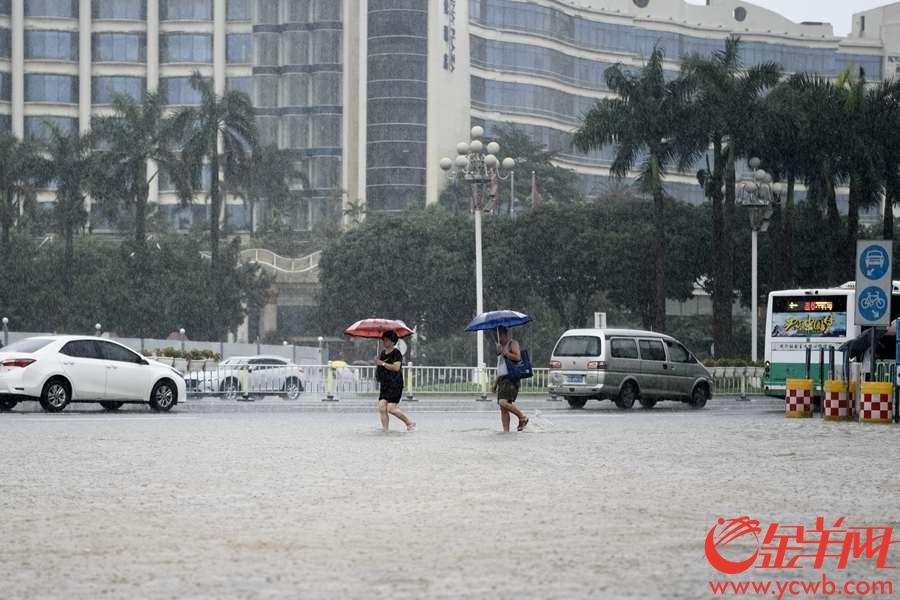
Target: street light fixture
[(755, 195), (97, 329), (477, 164), (6, 331), (181, 334)]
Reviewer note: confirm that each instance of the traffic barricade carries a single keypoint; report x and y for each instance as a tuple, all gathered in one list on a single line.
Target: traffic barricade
[(838, 402), (798, 398), (876, 403)]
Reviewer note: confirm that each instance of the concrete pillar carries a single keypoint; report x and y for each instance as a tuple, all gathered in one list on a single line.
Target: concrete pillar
[(84, 65), (268, 316), (18, 68), (219, 41), (153, 81)]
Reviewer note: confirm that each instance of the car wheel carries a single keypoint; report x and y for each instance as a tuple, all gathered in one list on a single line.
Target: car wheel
[(699, 397), (647, 403), (231, 387), (293, 388), (576, 402), (164, 396), (55, 396), (7, 404), (111, 405), (627, 396)]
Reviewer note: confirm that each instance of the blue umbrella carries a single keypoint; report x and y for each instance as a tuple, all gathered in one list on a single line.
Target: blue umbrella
[(495, 318)]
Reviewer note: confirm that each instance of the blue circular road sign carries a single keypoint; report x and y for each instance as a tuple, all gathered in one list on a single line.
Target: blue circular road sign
[(872, 303), (874, 262)]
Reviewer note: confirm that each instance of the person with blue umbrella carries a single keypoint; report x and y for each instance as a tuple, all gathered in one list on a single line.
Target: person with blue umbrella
[(506, 386)]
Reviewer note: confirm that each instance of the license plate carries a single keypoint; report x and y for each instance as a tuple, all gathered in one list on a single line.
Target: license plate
[(574, 378)]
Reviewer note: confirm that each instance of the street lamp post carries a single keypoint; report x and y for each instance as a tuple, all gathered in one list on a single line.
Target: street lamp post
[(98, 328), (476, 163), (756, 197), (181, 334), (6, 331)]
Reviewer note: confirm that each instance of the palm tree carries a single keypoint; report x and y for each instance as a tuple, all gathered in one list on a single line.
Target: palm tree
[(22, 171), (268, 176), (228, 120), (878, 122), (728, 98), (71, 163), (136, 132), (645, 123)]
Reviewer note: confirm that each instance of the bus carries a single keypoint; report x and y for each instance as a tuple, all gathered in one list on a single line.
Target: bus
[(818, 318)]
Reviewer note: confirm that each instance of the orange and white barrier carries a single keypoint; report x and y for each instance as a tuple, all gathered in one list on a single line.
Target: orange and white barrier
[(876, 403), (798, 395), (838, 404)]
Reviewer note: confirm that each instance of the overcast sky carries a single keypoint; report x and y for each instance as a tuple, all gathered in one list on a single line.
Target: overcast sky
[(836, 12)]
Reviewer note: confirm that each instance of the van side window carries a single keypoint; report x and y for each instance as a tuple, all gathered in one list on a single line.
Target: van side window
[(578, 345), (652, 350), (678, 353), (623, 348)]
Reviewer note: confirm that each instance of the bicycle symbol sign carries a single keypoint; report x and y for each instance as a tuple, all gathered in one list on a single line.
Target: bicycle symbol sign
[(874, 262), (872, 303)]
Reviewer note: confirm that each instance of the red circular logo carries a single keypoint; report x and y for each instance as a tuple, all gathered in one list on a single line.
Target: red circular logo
[(732, 545)]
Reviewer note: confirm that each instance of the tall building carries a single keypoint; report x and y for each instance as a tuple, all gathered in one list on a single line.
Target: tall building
[(369, 94)]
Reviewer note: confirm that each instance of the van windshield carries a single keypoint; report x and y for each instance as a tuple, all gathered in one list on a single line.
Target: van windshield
[(578, 345)]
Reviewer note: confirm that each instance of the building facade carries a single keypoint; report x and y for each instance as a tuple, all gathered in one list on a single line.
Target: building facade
[(369, 94)]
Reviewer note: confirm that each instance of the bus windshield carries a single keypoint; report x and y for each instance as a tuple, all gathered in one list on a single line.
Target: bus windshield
[(809, 316)]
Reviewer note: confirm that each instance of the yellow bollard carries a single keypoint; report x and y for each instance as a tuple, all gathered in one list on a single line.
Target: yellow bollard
[(876, 403), (837, 404), (798, 398), (329, 384)]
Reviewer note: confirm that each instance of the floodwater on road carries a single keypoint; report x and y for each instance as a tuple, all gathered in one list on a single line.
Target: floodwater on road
[(279, 500)]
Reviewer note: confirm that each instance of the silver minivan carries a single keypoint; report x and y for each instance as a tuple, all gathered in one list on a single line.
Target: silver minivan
[(624, 365)]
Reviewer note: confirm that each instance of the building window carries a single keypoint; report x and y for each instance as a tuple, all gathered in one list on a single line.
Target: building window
[(862, 24), (104, 89), (43, 87), (267, 49), (5, 43), (267, 91), (239, 48), (267, 12), (37, 128), (237, 10), (326, 10), (240, 84), (298, 11), (185, 10), (51, 45), (178, 91), (6, 123), (185, 48), (51, 8), (119, 47), (5, 86), (124, 10), (5, 7)]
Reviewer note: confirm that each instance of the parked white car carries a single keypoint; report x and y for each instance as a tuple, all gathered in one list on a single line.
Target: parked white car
[(250, 375), (57, 370)]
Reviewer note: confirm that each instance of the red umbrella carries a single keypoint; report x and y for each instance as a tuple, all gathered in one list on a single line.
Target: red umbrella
[(374, 328)]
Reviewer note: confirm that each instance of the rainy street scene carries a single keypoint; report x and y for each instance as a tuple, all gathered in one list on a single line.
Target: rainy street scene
[(545, 299)]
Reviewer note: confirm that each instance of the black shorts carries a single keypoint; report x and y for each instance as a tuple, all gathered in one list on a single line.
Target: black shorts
[(507, 389), (391, 396)]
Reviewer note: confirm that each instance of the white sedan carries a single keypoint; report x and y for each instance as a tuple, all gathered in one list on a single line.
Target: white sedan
[(250, 375), (57, 370)]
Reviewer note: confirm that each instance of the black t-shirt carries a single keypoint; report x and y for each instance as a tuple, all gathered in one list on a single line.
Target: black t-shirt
[(390, 379)]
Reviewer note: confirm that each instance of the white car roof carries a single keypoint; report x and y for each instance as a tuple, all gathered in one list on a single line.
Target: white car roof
[(246, 358), (614, 332)]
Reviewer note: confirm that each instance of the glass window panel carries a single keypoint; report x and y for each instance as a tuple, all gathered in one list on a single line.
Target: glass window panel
[(5, 86), (267, 49), (266, 91), (297, 135), (324, 171), (296, 89), (296, 47), (326, 89), (298, 11), (185, 10), (53, 45), (185, 48), (325, 131), (132, 10), (36, 127), (239, 48), (51, 8), (326, 46), (119, 47), (326, 10), (267, 12), (240, 84), (103, 89), (44, 87), (5, 43), (267, 129), (238, 10), (178, 91), (5, 7)]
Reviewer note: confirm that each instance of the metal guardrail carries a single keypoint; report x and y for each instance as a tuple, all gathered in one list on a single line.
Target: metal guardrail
[(328, 382), (281, 264)]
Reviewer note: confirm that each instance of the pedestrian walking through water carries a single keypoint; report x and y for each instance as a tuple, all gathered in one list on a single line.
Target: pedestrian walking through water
[(388, 372), (506, 387)]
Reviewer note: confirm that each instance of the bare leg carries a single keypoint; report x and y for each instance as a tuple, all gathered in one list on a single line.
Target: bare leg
[(383, 414), (512, 408), (504, 416), (395, 410)]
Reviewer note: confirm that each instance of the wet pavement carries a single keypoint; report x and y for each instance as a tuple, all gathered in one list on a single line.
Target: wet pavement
[(307, 499)]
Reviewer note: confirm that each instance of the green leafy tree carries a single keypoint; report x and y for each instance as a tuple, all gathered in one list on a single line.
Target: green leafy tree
[(645, 124), (727, 102), (22, 170), (228, 118), (136, 132), (269, 177)]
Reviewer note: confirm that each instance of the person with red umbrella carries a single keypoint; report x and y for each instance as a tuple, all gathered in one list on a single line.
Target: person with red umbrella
[(388, 372), (388, 366)]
